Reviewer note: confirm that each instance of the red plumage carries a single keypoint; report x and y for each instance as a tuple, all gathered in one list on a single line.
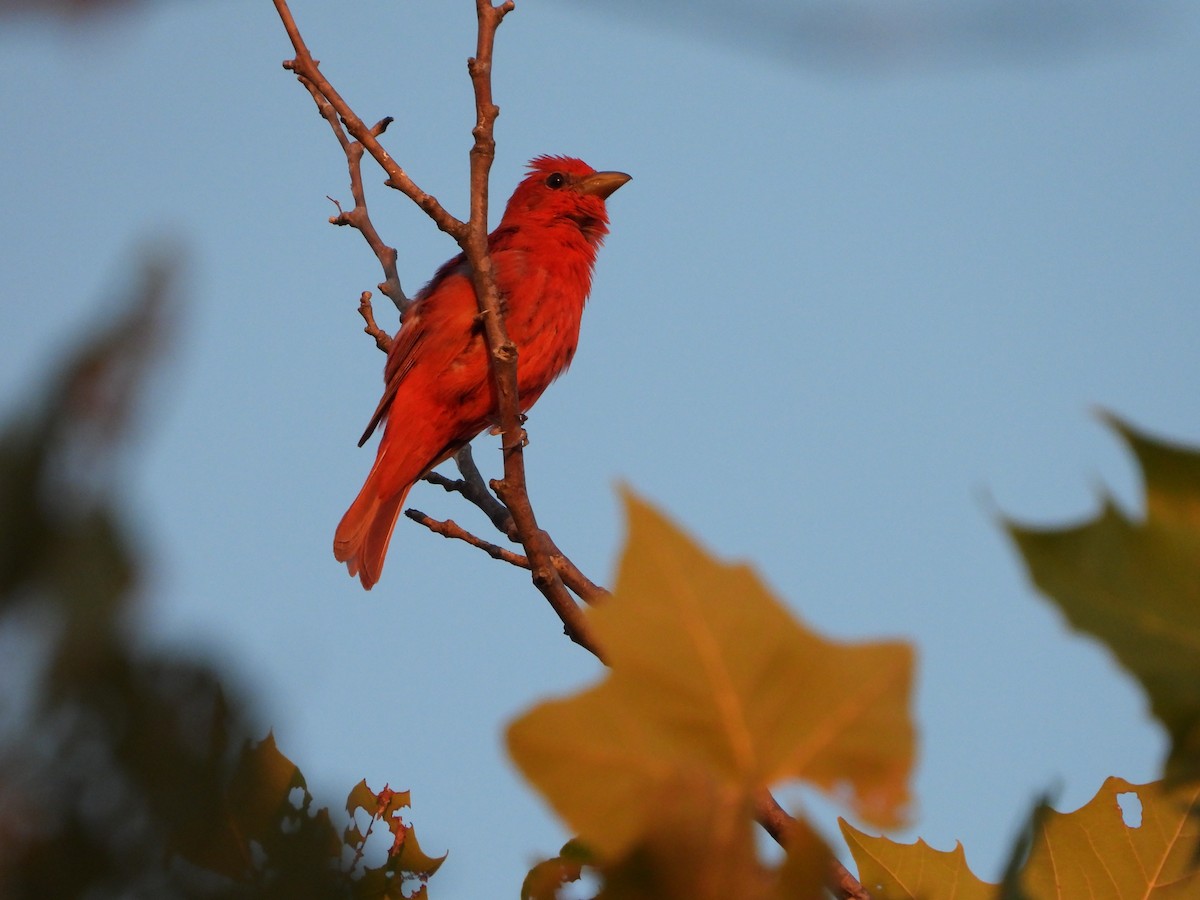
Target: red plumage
[(439, 393)]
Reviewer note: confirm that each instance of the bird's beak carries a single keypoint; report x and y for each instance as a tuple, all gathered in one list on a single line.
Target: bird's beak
[(601, 184)]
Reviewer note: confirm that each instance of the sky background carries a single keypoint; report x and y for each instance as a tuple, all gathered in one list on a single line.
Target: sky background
[(878, 265)]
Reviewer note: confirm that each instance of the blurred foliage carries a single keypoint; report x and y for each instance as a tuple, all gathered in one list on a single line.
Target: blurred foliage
[(1129, 841), (550, 875), (885, 36), (860, 37), (1135, 585), (125, 771), (715, 692), (74, 11)]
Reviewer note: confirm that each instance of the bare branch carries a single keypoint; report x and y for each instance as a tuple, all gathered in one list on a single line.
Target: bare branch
[(502, 359), (789, 832), (358, 217), (473, 488), (306, 69), (451, 529), (589, 592), (382, 339)]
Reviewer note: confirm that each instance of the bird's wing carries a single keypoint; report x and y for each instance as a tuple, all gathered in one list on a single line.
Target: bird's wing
[(401, 356), (431, 305)]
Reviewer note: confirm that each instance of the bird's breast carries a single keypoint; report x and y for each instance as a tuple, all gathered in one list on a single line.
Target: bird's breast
[(544, 307)]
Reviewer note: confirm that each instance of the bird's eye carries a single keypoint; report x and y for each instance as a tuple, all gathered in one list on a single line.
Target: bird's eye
[(555, 180)]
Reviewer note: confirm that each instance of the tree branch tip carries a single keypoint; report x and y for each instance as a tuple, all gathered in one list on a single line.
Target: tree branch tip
[(341, 218), (382, 125), (450, 485), (383, 340)]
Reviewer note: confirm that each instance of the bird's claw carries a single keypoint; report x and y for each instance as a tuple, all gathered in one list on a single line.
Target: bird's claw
[(523, 438)]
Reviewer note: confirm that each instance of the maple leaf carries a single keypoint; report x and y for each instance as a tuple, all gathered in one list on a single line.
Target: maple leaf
[(405, 861), (257, 802), (548, 877), (1136, 586), (1091, 853), (1094, 853), (892, 871), (714, 684)]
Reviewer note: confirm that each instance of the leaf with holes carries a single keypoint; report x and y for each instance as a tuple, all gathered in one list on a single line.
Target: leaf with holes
[(405, 861), (1093, 852)]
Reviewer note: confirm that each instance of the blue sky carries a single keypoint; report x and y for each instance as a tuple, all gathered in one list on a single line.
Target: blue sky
[(858, 300)]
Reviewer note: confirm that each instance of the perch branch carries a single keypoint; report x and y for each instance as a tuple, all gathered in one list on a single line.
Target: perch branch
[(502, 353)]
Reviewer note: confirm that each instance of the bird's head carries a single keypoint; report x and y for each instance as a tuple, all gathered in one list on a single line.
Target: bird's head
[(561, 189)]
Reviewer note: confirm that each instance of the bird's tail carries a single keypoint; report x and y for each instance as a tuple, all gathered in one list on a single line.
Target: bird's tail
[(362, 537)]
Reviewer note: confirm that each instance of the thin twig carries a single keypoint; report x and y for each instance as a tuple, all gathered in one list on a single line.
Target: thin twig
[(359, 218), (473, 488), (382, 339), (451, 529), (789, 832), (306, 68)]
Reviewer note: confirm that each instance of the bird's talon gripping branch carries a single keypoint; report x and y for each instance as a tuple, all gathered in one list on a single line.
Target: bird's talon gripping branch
[(497, 429)]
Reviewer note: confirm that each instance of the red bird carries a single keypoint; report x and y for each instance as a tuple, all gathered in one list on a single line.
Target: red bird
[(439, 392)]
